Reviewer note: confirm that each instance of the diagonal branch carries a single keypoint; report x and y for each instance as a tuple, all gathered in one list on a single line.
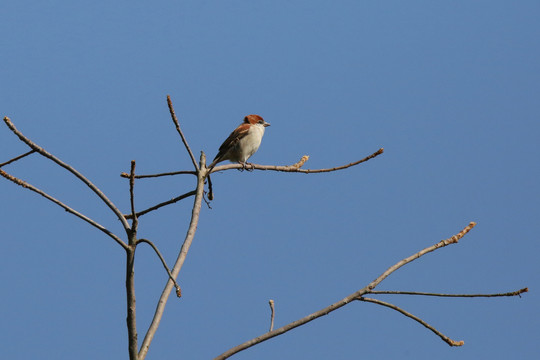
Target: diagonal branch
[(62, 205), (453, 240), (81, 177), (512, 293), (179, 262), (354, 296), (158, 253), (17, 158), (297, 167), (155, 207), (175, 120), (391, 306)]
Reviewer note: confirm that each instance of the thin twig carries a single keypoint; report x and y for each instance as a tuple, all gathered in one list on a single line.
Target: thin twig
[(512, 293), (17, 158), (62, 205), (178, 264), (453, 240), (126, 175), (135, 221), (175, 120), (210, 189), (394, 307), (81, 177), (271, 303), (155, 207), (296, 167), (354, 296), (146, 241)]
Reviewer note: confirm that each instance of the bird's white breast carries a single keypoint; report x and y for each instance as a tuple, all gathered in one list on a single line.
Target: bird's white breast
[(250, 143)]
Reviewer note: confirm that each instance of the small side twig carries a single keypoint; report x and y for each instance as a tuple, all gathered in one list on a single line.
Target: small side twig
[(158, 253), (409, 315), (126, 175), (512, 293), (210, 189), (62, 205), (17, 158), (177, 125), (271, 303), (168, 202)]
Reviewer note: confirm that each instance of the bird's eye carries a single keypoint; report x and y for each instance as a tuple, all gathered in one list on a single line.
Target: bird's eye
[(261, 121)]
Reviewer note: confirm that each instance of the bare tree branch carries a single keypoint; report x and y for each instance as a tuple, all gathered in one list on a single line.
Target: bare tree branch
[(354, 296), (175, 120), (17, 158), (453, 240), (81, 177), (62, 205), (512, 293), (130, 297), (178, 289), (135, 221), (297, 167), (272, 314), (126, 175), (391, 306), (155, 207), (179, 262)]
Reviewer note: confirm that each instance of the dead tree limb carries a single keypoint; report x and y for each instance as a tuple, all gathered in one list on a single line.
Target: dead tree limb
[(358, 295)]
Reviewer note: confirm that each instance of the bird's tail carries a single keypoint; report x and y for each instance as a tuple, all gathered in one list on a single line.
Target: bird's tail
[(214, 163)]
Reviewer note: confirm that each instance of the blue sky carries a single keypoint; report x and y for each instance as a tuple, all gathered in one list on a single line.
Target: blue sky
[(450, 90)]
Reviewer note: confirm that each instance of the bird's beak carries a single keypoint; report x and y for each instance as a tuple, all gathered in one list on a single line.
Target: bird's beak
[(266, 124)]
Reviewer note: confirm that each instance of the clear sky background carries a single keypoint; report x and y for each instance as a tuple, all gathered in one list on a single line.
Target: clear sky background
[(451, 90)]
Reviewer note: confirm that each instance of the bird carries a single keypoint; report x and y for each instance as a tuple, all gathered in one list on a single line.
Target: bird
[(243, 142)]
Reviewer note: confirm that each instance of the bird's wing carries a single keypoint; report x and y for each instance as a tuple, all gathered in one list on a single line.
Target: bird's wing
[(233, 139)]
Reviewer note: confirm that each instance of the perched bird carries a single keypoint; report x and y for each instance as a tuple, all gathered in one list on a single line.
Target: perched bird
[(243, 142)]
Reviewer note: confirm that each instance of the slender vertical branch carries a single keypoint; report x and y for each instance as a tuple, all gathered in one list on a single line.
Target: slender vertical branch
[(131, 319), (177, 125), (81, 177), (179, 261), (272, 314), (131, 304), (135, 221)]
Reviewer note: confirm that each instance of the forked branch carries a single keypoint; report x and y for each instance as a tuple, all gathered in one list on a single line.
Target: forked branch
[(358, 295)]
